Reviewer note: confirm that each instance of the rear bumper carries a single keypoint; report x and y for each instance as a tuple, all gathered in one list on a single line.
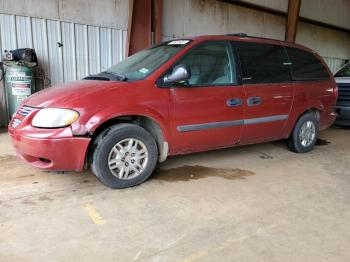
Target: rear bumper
[(327, 119), (59, 154)]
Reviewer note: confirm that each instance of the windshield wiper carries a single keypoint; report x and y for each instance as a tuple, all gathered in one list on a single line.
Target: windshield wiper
[(121, 76)]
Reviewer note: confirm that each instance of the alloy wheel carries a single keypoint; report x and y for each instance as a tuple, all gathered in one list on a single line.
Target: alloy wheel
[(307, 133), (128, 158)]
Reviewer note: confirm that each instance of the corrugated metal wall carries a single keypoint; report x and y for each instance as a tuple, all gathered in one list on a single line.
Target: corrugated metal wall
[(86, 49), (334, 63)]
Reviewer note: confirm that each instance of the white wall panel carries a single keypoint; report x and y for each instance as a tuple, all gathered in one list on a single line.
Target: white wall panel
[(196, 17), (40, 43), (327, 42), (106, 13), (24, 32), (119, 38), (86, 49), (55, 53), (32, 8), (255, 23), (94, 49), (81, 51), (106, 38), (110, 13), (334, 12), (69, 58), (281, 5), (8, 39)]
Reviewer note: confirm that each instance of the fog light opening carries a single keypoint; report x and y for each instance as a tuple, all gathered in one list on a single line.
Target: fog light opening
[(44, 160)]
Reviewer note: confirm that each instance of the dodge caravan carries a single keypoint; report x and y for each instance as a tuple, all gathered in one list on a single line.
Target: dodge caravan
[(181, 96)]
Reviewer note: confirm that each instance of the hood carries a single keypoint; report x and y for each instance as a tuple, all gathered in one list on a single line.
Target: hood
[(342, 80), (73, 94)]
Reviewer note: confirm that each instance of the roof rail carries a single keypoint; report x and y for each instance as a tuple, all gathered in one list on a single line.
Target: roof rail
[(245, 35), (238, 34)]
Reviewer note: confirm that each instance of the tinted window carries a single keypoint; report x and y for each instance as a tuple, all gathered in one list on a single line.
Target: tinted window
[(305, 65), (210, 64), (263, 63)]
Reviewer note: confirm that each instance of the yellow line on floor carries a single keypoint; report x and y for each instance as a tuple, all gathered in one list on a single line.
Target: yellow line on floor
[(94, 215)]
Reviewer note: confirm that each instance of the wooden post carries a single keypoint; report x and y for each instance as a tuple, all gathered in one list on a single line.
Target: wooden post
[(157, 18), (140, 26), (131, 8), (292, 20)]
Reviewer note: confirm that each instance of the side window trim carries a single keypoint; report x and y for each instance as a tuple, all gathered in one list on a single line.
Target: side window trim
[(233, 57), (239, 72), (289, 64)]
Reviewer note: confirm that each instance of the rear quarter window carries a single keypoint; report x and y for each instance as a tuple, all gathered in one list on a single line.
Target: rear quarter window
[(263, 63), (305, 65)]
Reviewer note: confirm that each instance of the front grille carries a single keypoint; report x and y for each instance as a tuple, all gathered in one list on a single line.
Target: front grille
[(25, 110), (16, 122), (343, 94)]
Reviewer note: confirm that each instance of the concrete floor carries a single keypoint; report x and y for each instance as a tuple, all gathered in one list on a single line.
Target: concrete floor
[(254, 203)]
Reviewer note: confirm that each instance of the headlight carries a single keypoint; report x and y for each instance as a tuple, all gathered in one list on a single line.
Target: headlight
[(54, 117)]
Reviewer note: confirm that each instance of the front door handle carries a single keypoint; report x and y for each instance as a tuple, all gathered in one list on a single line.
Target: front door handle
[(234, 102), (254, 101)]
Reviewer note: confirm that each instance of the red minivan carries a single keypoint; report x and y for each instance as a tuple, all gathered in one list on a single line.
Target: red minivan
[(182, 96)]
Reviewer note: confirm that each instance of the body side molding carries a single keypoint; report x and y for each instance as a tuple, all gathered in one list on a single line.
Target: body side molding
[(197, 127)]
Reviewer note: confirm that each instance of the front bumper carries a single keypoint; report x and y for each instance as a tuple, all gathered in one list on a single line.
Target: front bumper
[(50, 149), (60, 154), (343, 116)]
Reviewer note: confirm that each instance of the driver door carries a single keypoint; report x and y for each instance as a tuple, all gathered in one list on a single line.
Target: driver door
[(207, 112)]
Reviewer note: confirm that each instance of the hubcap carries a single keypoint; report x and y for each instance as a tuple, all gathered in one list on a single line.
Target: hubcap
[(307, 133), (128, 159)]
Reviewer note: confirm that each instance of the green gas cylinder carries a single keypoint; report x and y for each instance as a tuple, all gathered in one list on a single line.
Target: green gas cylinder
[(19, 84)]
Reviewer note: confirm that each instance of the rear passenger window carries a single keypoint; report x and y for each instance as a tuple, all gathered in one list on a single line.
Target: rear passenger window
[(305, 65), (263, 63)]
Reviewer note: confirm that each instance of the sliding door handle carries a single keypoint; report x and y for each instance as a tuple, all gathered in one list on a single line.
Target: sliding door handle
[(234, 102), (254, 101)]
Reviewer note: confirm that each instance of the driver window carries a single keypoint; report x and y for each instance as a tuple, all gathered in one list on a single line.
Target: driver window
[(210, 64)]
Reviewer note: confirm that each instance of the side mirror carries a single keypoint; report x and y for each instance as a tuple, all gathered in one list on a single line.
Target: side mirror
[(179, 73)]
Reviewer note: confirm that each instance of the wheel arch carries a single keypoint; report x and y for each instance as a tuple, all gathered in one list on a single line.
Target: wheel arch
[(313, 109), (148, 123)]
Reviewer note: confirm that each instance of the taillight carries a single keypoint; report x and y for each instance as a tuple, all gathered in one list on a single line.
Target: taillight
[(335, 91)]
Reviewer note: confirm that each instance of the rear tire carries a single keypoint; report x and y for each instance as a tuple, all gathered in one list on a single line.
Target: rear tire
[(124, 155), (304, 135)]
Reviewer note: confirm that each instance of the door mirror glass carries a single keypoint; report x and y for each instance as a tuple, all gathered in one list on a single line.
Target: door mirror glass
[(180, 73)]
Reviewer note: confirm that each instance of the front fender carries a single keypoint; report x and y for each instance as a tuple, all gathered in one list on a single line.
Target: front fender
[(111, 113)]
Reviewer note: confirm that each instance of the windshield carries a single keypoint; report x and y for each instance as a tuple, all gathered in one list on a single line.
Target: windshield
[(344, 72), (142, 64)]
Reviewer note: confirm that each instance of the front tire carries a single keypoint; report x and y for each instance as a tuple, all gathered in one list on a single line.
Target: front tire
[(124, 155), (304, 135)]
